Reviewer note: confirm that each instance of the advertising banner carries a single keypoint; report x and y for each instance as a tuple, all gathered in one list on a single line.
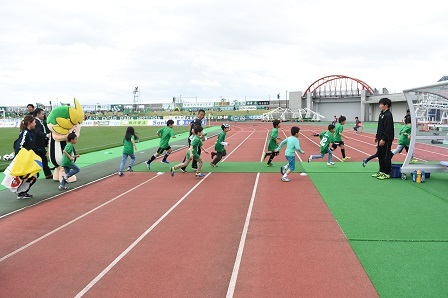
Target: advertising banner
[(247, 108)]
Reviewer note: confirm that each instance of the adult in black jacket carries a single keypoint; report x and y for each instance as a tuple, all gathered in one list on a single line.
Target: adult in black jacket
[(384, 138), (41, 141), (26, 140), (197, 121)]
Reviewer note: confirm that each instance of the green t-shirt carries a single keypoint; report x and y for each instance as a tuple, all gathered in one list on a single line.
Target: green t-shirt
[(128, 147), (196, 143), (337, 132), (221, 138), (273, 139), (326, 137), (65, 160), (403, 136), (165, 134)]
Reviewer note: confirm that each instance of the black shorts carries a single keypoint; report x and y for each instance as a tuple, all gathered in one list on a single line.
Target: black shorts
[(160, 150), (336, 144)]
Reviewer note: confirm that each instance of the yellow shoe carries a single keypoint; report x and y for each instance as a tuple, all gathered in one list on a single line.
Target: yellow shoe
[(346, 158)]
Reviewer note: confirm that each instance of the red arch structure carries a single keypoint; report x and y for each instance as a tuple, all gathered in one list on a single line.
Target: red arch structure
[(337, 86)]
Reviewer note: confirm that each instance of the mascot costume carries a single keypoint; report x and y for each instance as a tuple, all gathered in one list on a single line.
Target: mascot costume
[(61, 121)]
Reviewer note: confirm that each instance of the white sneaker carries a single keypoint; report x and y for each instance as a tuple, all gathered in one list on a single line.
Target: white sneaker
[(330, 163), (285, 179), (310, 158)]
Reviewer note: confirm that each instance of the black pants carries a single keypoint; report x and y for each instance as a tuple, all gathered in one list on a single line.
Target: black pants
[(45, 167), (385, 157), (194, 164), (218, 157)]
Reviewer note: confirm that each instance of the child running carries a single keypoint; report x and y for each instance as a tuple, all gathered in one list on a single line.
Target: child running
[(164, 134), (357, 124), (192, 153), (128, 149), (219, 146), (326, 137), (68, 160), (404, 138), (337, 139), (274, 140), (292, 145)]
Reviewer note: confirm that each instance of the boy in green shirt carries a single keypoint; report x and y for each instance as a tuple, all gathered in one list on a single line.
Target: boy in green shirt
[(404, 138), (292, 145), (165, 133), (326, 137), (219, 145), (68, 160), (337, 137), (193, 153), (274, 140)]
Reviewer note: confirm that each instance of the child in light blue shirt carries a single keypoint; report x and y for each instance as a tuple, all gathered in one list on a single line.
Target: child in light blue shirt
[(292, 145)]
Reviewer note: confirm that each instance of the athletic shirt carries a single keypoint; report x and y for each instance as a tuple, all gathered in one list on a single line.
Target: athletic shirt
[(128, 147), (404, 133), (26, 140), (196, 143), (221, 137), (337, 132), (70, 150), (195, 122), (273, 139), (326, 137), (165, 134), (292, 145)]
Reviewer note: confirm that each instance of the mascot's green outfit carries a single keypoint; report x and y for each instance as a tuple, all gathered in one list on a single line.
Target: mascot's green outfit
[(61, 121)]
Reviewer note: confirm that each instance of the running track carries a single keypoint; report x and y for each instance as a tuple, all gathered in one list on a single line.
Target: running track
[(234, 234)]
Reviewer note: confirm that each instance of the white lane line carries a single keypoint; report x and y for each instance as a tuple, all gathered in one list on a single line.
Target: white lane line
[(264, 147), (239, 145), (74, 220), (130, 247), (239, 254)]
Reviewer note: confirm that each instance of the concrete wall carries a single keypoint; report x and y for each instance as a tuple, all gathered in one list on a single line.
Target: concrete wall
[(295, 100), (364, 107)]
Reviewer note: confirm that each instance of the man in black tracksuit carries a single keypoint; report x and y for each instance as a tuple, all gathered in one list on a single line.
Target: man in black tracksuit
[(41, 132), (384, 138), (197, 121)]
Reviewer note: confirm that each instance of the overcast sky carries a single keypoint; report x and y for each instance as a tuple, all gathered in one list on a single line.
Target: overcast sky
[(98, 51)]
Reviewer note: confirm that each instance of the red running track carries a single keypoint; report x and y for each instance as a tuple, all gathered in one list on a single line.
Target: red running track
[(148, 235)]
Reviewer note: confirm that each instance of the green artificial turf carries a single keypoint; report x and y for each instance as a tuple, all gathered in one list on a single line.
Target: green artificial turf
[(397, 228)]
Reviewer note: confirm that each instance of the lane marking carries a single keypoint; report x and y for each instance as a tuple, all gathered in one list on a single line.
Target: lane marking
[(74, 220), (264, 146), (239, 144), (239, 255), (130, 247)]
